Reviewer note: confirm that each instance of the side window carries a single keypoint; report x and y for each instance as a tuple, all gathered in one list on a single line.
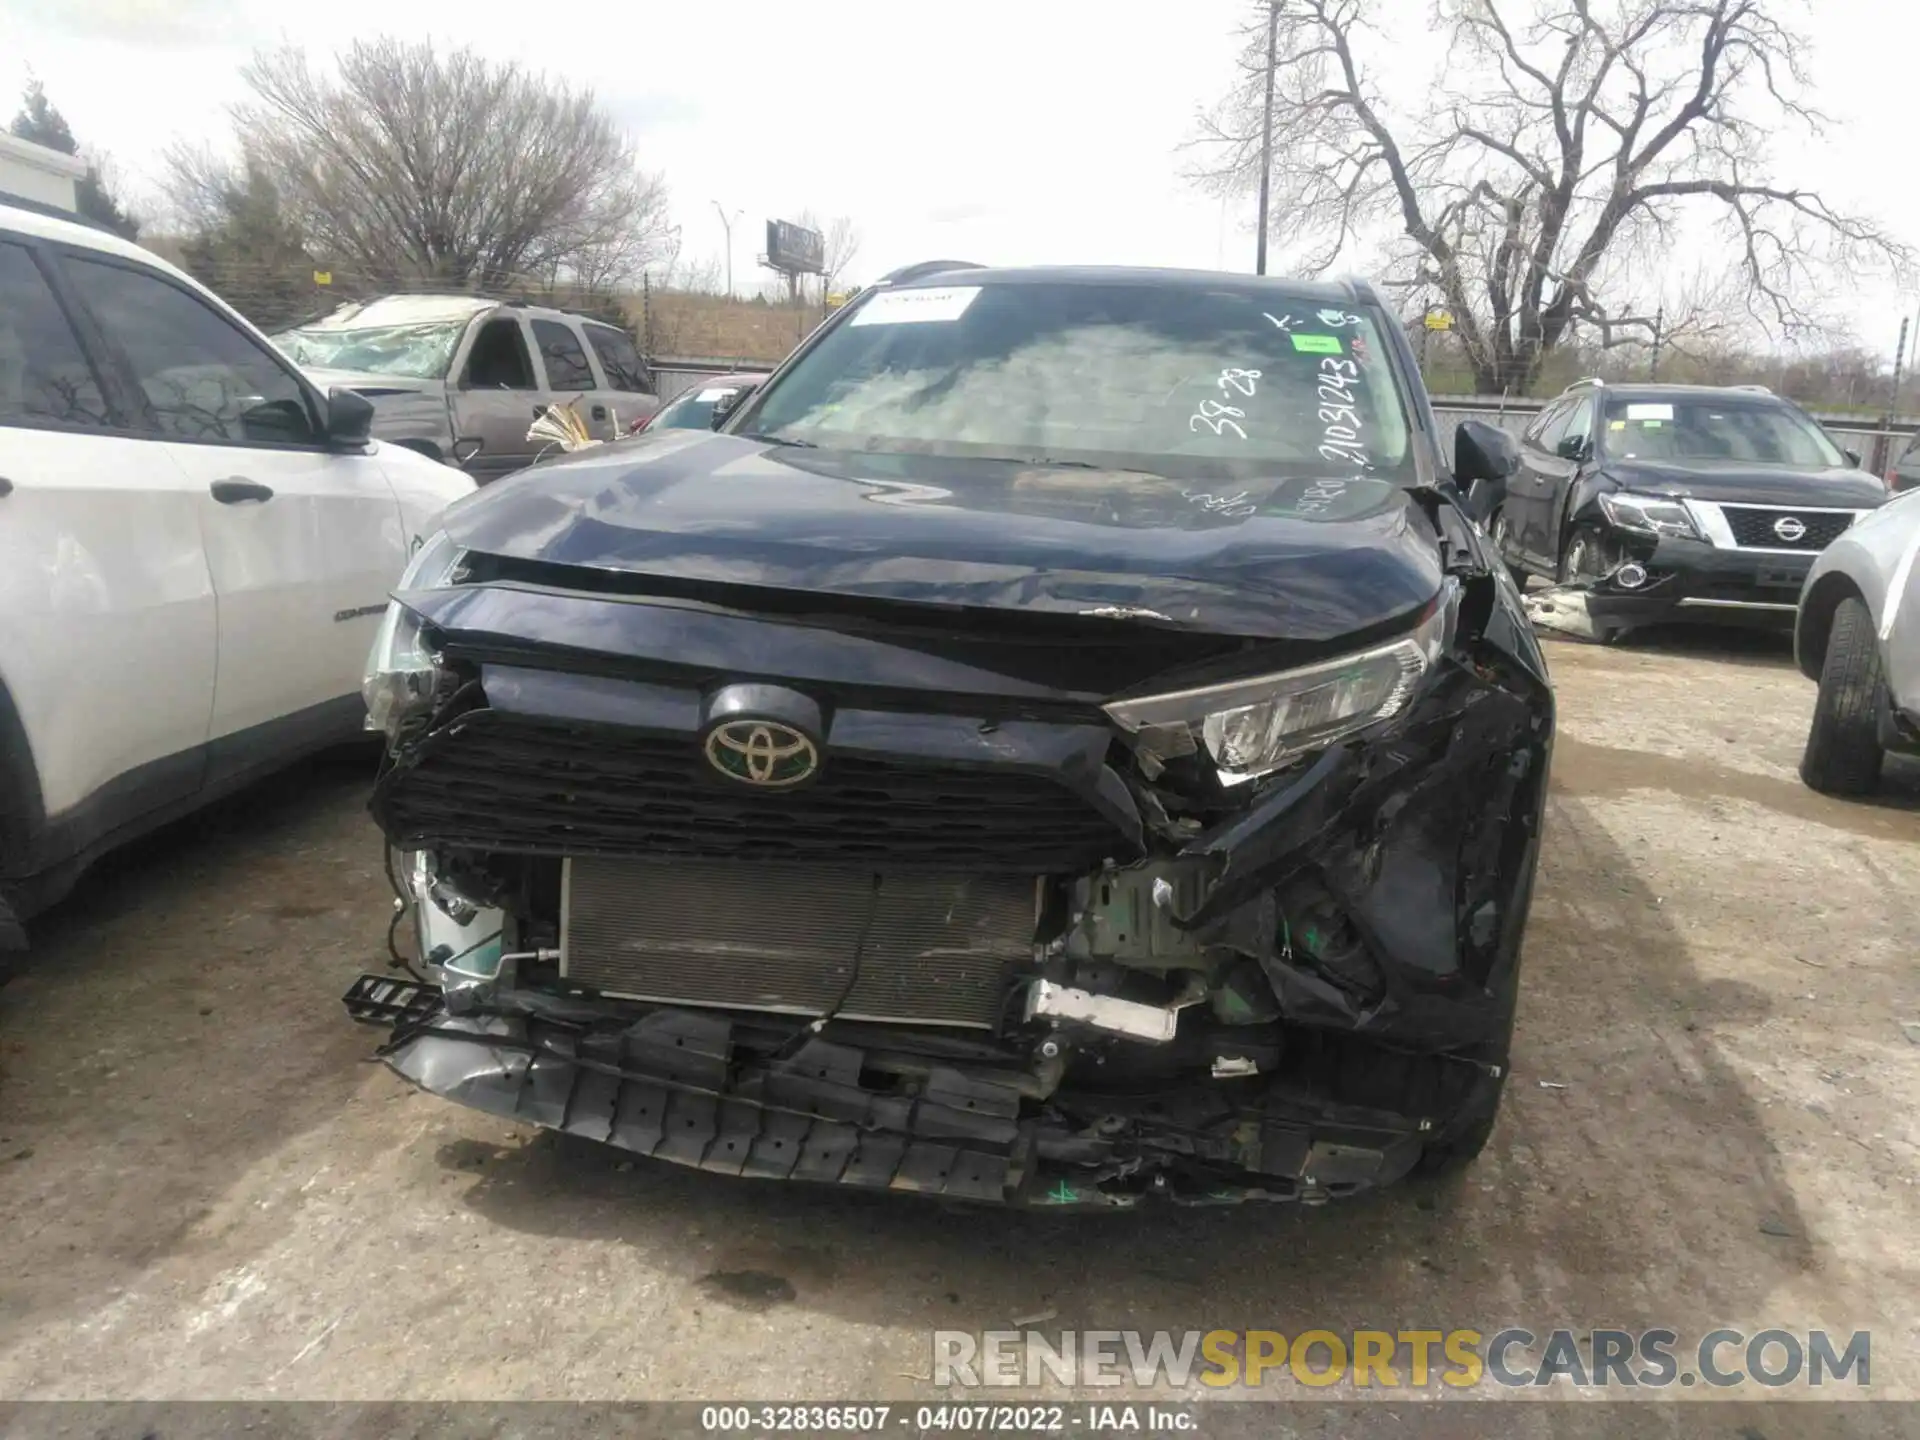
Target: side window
[(567, 367), (619, 359), (499, 358), (44, 377), (1544, 423), (1551, 425), (1579, 424), (204, 377)]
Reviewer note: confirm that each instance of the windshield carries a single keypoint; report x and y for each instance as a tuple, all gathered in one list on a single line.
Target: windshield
[(1714, 428), (418, 352), (1180, 378), (693, 410)]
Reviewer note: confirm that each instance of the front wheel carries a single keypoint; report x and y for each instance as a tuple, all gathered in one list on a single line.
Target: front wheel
[(1843, 755), (1587, 557)]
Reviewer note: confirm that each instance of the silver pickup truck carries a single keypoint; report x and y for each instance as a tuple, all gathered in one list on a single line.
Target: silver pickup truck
[(461, 377), (1857, 632)]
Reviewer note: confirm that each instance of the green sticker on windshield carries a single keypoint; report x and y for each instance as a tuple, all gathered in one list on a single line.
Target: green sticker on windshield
[(1316, 344)]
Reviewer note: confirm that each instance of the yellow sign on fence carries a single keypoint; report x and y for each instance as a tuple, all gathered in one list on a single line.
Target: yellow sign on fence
[(323, 277)]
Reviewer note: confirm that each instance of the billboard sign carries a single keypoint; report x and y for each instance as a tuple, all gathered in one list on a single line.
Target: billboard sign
[(794, 249)]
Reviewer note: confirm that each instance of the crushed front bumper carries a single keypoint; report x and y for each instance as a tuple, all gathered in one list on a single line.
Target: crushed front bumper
[(1696, 581), (690, 1088)]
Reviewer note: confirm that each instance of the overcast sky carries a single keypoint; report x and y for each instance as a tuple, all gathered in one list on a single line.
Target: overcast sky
[(1009, 131)]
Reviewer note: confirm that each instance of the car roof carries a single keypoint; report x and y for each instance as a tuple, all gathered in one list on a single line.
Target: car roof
[(82, 236), (1349, 291), (400, 310), (429, 307), (1652, 390)]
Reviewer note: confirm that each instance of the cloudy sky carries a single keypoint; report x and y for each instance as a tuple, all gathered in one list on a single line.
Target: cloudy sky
[(1004, 131)]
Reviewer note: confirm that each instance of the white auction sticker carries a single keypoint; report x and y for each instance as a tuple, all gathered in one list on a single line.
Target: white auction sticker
[(911, 307), (707, 397), (1649, 412)]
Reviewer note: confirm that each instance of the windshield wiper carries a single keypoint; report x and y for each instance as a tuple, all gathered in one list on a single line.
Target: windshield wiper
[(778, 440)]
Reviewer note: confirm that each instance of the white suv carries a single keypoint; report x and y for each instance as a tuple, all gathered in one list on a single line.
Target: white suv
[(196, 547)]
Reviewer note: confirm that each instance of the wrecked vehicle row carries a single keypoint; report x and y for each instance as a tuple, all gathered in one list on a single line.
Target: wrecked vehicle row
[(1064, 740)]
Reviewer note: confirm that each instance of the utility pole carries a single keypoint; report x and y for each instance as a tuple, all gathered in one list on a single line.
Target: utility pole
[(1659, 329), (726, 223), (1266, 135), (1899, 355)]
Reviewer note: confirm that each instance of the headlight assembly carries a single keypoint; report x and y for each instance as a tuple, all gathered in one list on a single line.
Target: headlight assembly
[(1650, 515), (1254, 727), (400, 674)]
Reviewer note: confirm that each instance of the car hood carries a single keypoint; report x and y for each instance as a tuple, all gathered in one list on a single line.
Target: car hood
[(371, 385), (1840, 488), (1299, 558)]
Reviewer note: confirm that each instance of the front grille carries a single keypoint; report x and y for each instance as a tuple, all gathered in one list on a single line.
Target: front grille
[(1752, 527), (491, 781), (933, 949)]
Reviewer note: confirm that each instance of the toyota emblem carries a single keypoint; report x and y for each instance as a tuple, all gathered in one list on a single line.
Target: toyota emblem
[(1790, 528), (762, 752)]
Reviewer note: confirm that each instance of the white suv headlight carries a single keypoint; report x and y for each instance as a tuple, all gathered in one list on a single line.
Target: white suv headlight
[(1254, 727), (400, 670)]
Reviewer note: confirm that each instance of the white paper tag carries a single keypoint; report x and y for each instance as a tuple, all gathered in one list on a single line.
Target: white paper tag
[(719, 392), (1649, 412), (911, 307)]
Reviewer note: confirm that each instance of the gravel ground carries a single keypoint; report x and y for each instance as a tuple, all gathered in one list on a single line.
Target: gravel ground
[(207, 1193)]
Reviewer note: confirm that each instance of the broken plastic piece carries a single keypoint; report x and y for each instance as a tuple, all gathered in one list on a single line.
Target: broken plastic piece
[(1154, 1023), (384, 1000)]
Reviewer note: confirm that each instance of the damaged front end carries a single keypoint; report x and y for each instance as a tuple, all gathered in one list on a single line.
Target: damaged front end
[(922, 905)]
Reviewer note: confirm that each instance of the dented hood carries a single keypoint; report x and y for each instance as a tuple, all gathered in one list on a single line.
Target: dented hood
[(1305, 557)]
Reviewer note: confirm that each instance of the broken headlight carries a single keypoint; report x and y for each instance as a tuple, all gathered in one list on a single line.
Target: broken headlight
[(1650, 515), (1254, 727), (400, 669)]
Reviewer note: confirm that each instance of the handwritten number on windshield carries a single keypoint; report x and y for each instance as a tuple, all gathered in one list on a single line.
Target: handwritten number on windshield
[(1218, 416)]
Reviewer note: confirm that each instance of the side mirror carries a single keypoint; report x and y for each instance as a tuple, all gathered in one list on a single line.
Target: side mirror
[(1572, 447), (349, 419), (727, 404), (278, 422), (1484, 459), (1853, 458)]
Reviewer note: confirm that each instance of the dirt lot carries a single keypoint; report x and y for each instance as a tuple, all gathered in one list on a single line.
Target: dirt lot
[(207, 1192)]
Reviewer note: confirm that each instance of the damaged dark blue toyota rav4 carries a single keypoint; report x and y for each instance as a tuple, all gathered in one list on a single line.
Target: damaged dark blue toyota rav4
[(1063, 740)]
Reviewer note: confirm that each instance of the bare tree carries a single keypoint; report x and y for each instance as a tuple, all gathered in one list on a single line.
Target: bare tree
[(236, 235), (1563, 151), (839, 247), (411, 164)]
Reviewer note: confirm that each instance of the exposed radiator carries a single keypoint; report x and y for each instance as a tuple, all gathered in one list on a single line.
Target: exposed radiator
[(934, 949)]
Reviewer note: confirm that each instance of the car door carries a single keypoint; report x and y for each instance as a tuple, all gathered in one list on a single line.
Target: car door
[(1557, 463), (1905, 472), (302, 542), (570, 376), (633, 398), (1527, 489), (497, 394), (107, 610)]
